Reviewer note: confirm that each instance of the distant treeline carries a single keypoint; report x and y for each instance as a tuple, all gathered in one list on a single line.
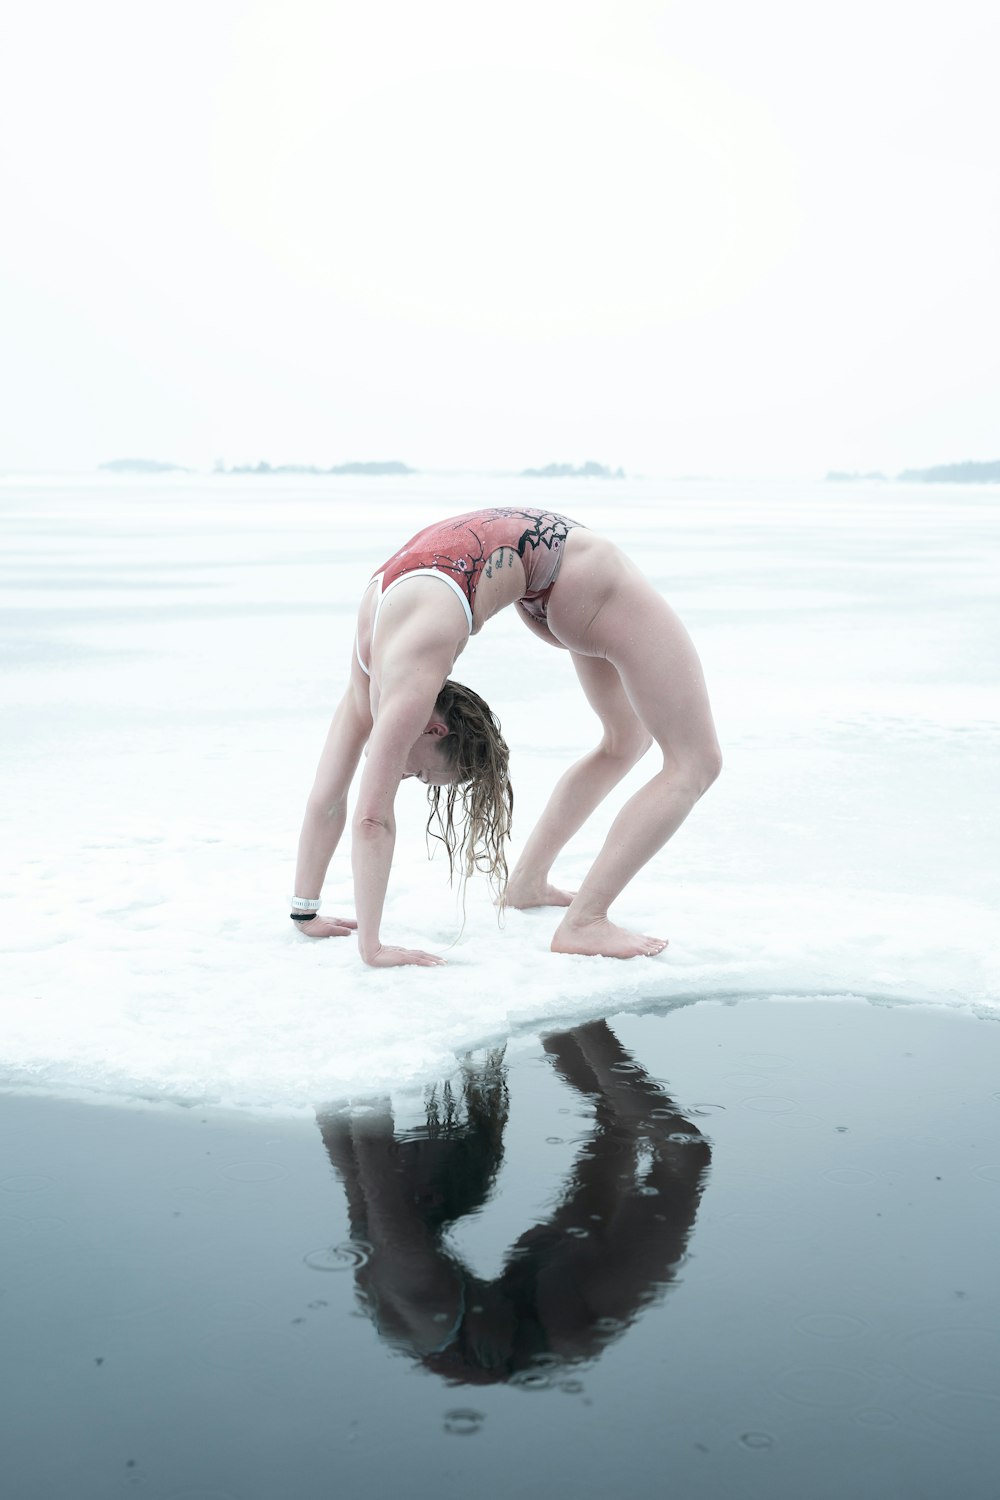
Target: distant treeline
[(141, 466), (154, 466), (964, 473), (967, 473), (589, 470), (388, 467)]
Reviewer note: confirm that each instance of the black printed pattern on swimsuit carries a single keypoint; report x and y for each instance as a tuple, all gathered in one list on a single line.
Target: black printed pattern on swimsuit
[(547, 530)]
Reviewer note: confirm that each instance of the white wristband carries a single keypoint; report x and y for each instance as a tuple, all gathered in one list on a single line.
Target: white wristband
[(305, 903)]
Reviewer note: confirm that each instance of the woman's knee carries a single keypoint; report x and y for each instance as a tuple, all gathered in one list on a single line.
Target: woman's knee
[(697, 769), (627, 745)]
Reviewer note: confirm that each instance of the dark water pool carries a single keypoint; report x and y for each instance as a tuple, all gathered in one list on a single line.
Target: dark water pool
[(736, 1250)]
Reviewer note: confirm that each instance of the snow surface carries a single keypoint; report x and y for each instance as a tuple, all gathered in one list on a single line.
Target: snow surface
[(172, 649)]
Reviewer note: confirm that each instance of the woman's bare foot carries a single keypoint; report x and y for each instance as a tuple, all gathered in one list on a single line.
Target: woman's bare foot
[(602, 939), (522, 893)]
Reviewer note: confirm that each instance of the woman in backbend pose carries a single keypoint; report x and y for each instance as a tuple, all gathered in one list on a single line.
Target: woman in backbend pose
[(636, 665)]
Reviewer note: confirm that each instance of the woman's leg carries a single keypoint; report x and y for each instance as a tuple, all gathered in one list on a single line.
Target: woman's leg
[(583, 787), (624, 620)]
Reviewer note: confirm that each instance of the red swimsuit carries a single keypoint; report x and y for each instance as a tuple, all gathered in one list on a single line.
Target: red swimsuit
[(463, 548)]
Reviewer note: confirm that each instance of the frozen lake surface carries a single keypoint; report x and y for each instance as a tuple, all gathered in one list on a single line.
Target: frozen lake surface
[(172, 651)]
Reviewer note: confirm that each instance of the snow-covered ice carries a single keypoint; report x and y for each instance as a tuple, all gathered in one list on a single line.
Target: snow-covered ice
[(171, 652)]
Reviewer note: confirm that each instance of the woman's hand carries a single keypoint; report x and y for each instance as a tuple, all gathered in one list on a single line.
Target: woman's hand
[(322, 927), (394, 958)]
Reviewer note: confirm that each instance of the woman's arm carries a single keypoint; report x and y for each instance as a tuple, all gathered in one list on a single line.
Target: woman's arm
[(326, 809), (411, 677)]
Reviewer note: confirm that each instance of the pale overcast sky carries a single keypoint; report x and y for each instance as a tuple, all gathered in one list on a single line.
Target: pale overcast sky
[(701, 237)]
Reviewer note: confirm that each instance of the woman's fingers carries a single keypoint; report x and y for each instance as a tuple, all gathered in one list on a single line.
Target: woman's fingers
[(324, 927), (416, 956), (385, 958), (393, 958)]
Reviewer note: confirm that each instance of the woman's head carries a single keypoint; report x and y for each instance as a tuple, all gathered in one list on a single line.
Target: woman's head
[(480, 799)]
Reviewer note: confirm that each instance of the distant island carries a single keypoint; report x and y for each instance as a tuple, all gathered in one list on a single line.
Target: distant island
[(387, 467), (141, 466), (589, 470), (964, 473)]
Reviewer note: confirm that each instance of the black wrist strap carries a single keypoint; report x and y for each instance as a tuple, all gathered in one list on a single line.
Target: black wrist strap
[(300, 916)]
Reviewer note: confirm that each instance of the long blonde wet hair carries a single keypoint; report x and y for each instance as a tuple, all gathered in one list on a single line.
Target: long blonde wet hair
[(471, 816)]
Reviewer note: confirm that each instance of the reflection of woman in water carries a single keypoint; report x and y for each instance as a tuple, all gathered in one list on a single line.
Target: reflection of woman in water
[(636, 665), (569, 1284)]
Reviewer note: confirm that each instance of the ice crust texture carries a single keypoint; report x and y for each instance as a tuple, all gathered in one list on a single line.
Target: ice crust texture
[(173, 650)]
